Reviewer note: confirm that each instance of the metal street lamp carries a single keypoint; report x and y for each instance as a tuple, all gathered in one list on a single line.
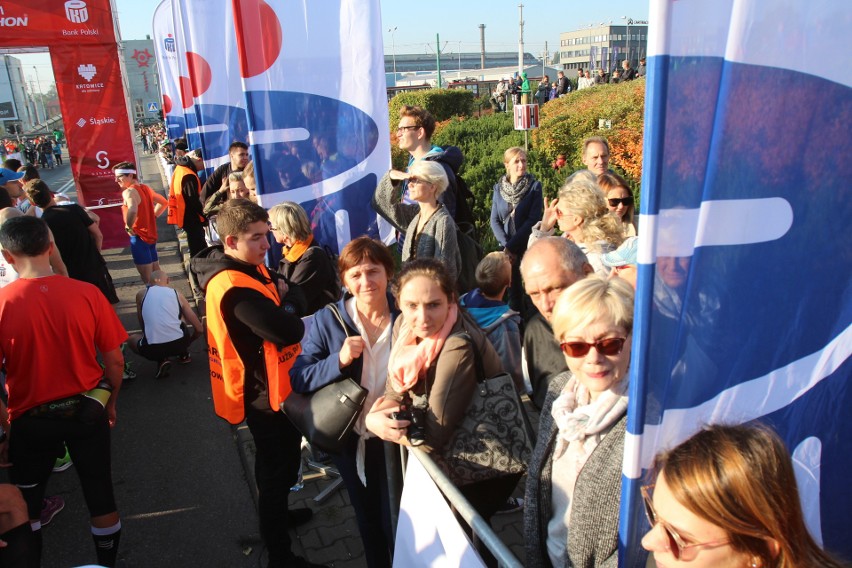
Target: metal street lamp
[(393, 48), (40, 95), (629, 23)]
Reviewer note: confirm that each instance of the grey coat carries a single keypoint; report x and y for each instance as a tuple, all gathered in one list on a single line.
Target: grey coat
[(593, 533), (436, 240)]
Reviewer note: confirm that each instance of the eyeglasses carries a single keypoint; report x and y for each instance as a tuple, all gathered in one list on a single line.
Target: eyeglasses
[(560, 213), (404, 128), (609, 346), (675, 542), (413, 180), (626, 201), (272, 228)]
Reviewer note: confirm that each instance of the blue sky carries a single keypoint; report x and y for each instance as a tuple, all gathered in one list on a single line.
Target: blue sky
[(457, 22)]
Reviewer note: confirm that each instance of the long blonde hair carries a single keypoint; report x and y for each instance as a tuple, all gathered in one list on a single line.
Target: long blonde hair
[(583, 197)]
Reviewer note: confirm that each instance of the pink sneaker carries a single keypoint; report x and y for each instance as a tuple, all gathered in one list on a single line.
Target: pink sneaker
[(50, 506)]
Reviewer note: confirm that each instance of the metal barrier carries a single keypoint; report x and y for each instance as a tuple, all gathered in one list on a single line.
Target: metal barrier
[(481, 529)]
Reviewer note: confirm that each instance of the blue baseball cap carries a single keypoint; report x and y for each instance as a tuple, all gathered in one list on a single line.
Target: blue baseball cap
[(627, 253), (7, 175)]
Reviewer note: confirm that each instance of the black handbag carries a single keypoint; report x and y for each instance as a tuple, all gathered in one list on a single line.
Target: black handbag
[(494, 439), (326, 416)]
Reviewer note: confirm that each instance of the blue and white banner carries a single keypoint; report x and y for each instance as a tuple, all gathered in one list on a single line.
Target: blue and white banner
[(744, 309), (314, 82), (165, 47), (215, 77), (192, 75), (593, 57)]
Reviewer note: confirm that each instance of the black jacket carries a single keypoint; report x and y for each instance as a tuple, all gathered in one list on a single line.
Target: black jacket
[(316, 275)]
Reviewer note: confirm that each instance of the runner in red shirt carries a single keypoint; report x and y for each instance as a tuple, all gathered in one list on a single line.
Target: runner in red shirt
[(142, 206), (52, 400)]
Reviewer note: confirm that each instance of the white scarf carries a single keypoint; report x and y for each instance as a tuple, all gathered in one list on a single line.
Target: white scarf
[(583, 424)]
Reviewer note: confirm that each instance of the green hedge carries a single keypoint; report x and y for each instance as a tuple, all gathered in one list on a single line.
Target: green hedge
[(565, 122), (442, 103)]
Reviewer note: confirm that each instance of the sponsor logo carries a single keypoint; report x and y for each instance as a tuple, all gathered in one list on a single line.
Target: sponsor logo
[(87, 71), (141, 57), (96, 121), (169, 44), (103, 160), (13, 21), (76, 11)]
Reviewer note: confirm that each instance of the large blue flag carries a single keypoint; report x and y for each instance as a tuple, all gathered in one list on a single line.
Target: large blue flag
[(744, 301)]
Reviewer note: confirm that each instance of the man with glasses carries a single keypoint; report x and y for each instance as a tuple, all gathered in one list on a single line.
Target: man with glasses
[(414, 134), (550, 266), (142, 205)]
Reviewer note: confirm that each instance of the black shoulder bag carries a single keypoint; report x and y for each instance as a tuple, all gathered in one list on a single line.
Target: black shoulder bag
[(326, 416)]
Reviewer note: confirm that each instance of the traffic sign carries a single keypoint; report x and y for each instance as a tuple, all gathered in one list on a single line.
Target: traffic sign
[(152, 107)]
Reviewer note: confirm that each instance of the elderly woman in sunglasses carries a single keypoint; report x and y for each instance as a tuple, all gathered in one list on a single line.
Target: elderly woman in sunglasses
[(581, 213), (727, 497), (573, 488), (619, 198), (427, 226)]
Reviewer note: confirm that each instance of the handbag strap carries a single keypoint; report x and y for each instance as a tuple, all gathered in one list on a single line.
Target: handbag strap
[(477, 358), (339, 318)]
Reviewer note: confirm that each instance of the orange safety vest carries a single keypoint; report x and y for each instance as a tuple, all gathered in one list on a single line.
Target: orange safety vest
[(177, 205), (227, 370)]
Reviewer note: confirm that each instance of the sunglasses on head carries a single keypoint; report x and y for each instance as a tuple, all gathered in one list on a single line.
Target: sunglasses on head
[(675, 542), (626, 201), (609, 346)]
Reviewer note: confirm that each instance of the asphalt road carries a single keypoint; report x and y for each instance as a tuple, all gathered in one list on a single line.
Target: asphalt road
[(179, 481)]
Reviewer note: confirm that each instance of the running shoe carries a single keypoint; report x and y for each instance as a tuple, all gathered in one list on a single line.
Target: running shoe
[(163, 369), (511, 505), (184, 359), (63, 463), (50, 506)]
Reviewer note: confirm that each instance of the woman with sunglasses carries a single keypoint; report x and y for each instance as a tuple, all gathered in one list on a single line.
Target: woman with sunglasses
[(620, 200), (582, 215), (427, 227), (728, 497), (573, 489)]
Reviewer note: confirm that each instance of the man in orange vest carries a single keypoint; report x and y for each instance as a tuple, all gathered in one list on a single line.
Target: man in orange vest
[(253, 334), (142, 206), (185, 209)]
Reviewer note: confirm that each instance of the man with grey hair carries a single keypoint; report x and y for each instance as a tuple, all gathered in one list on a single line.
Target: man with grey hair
[(549, 267), (596, 154)]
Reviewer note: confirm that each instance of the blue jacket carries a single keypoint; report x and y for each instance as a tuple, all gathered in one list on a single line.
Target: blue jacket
[(317, 365), (527, 213), (502, 327)]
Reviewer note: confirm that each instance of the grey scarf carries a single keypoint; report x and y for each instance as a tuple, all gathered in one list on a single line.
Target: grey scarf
[(514, 192)]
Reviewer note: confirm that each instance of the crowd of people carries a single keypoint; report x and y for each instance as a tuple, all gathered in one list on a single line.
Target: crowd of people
[(519, 90), (40, 151), (553, 308)]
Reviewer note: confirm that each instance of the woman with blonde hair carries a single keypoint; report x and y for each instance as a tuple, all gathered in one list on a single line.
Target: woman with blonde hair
[(728, 497), (516, 206), (304, 262), (573, 490), (582, 215), (427, 227), (620, 200)]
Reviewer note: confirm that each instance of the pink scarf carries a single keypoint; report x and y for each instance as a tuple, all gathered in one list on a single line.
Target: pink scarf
[(409, 358)]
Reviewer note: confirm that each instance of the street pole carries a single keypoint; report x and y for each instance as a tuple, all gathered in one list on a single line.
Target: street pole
[(629, 21), (393, 48), (438, 52), (459, 72), (521, 39), (40, 95), (544, 59)]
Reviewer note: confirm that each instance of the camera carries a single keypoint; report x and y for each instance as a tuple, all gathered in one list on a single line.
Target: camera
[(417, 427)]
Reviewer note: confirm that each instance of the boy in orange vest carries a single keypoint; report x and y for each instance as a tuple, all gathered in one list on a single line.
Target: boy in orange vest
[(253, 334)]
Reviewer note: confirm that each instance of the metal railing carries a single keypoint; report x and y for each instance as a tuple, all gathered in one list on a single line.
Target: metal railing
[(480, 527)]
